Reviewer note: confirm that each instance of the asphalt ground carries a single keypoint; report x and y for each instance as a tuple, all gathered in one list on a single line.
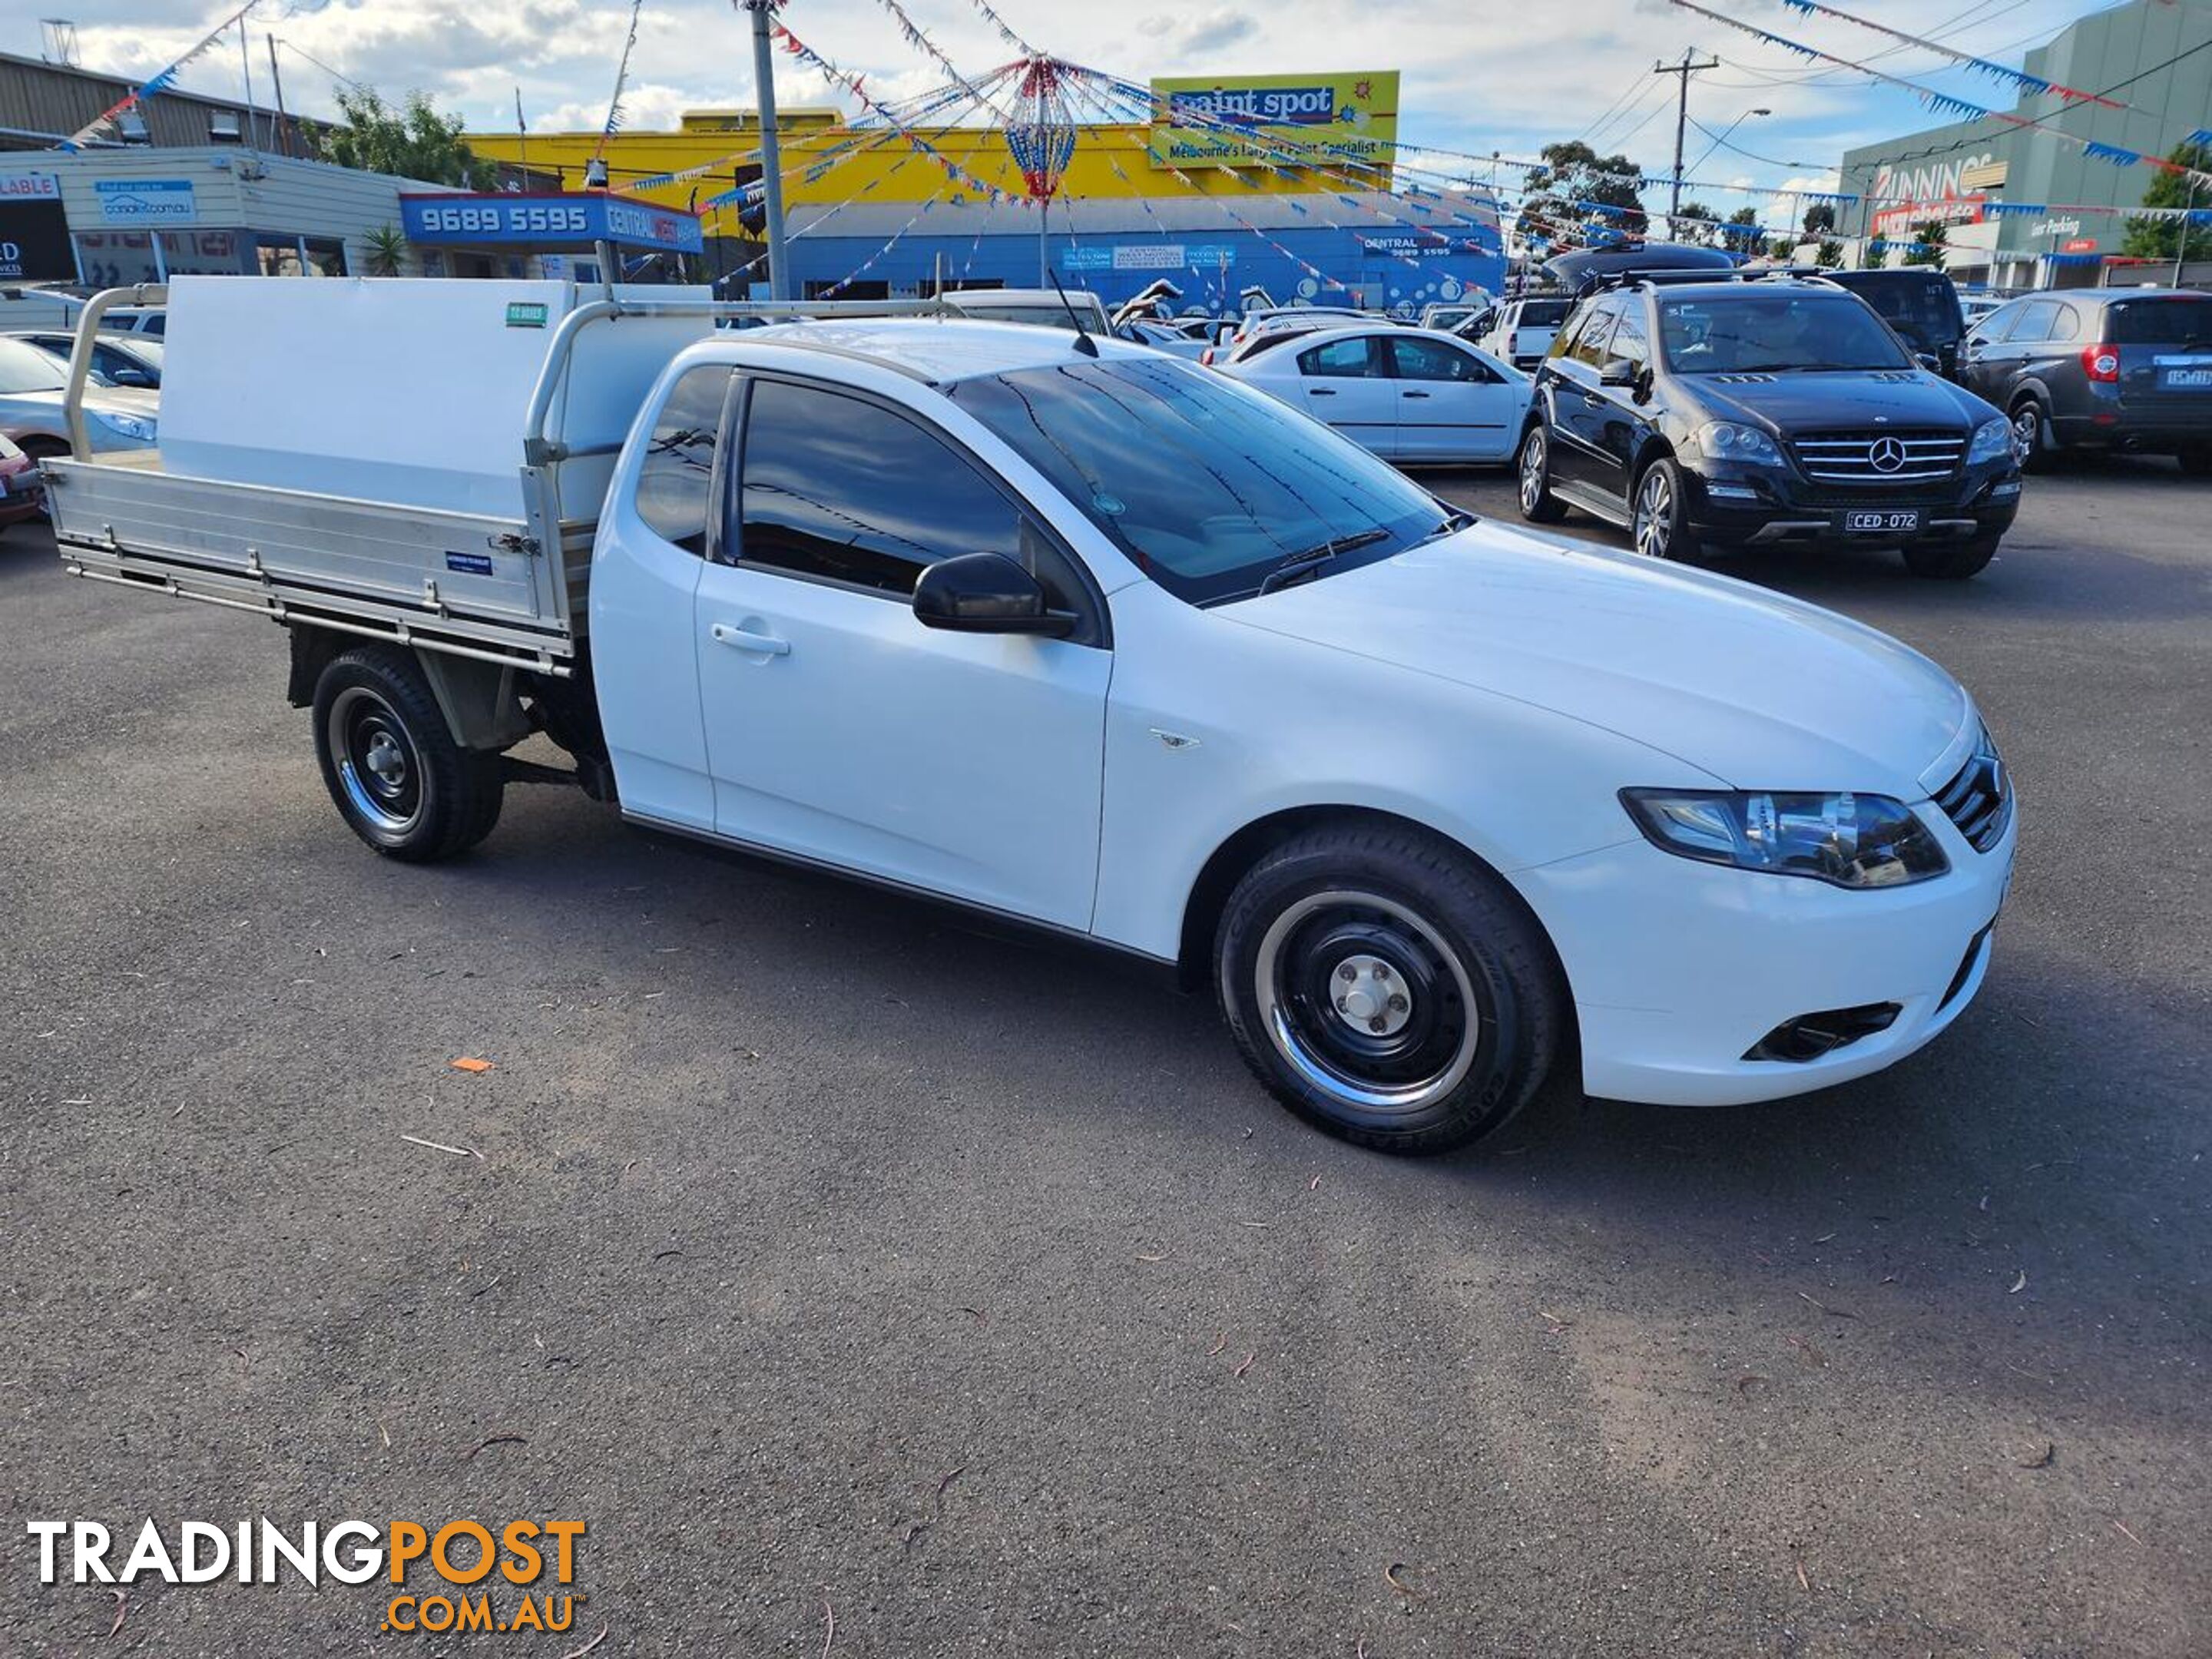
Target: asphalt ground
[(833, 1259)]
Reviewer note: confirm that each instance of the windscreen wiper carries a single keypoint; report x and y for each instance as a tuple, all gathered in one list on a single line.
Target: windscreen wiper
[(1300, 566)]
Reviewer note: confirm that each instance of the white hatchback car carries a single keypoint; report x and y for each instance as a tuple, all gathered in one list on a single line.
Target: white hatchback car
[(1408, 394)]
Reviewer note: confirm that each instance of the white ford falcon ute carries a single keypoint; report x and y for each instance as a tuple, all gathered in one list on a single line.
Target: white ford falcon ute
[(1441, 809)]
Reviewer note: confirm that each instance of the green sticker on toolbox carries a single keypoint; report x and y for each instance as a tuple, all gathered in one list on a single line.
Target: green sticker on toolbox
[(523, 314)]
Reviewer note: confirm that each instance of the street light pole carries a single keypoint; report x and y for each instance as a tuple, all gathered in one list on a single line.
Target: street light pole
[(779, 266), (2181, 247)]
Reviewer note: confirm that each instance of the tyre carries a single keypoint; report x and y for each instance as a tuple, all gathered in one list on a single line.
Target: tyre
[(1387, 988), (1949, 561), (42, 450), (2031, 436), (1533, 465), (1660, 522), (390, 762)]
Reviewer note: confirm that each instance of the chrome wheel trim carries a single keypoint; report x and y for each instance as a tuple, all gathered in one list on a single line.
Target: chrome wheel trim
[(1655, 516), (1284, 1019), (378, 767), (1532, 469)]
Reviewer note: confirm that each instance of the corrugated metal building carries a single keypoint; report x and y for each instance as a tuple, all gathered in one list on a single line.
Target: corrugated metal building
[(43, 103)]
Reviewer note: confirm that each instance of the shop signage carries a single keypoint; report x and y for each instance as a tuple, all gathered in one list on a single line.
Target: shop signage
[(146, 200), (481, 219), (1147, 255), (34, 241), (1260, 120)]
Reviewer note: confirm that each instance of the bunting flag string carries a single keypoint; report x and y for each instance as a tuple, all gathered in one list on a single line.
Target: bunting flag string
[(154, 87), (2018, 77), (869, 264), (983, 9), (923, 44), (1937, 101), (622, 79)]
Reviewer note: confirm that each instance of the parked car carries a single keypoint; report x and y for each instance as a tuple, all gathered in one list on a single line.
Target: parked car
[(1973, 307), (132, 359), (46, 306), (2121, 368), (22, 495), (1261, 318), (1745, 413), (1175, 340), (31, 380), (1437, 810), (1408, 394), (1449, 317), (1920, 303), (1044, 308), (1520, 332), (1241, 343)]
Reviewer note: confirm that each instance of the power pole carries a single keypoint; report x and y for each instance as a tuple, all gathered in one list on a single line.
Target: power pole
[(771, 158), (276, 81), (1689, 67)]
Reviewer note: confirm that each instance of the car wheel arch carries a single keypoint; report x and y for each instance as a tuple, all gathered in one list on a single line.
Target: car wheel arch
[(1228, 863)]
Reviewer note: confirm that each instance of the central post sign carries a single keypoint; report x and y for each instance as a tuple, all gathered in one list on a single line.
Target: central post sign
[(507, 219)]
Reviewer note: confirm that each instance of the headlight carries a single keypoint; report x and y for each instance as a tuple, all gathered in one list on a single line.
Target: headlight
[(137, 428), (1847, 840), (1992, 441), (1725, 441)]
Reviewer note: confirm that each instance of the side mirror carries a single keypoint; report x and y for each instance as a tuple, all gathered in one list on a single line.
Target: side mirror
[(1618, 371), (137, 377), (986, 593), (1929, 361)]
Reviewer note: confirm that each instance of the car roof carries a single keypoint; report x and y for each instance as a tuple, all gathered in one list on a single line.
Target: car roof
[(941, 350)]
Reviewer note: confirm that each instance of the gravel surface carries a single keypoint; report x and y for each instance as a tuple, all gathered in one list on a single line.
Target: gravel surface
[(833, 1256)]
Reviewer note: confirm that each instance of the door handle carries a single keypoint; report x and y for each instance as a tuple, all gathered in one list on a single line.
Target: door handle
[(740, 639), (1320, 391), (1412, 394), (1591, 400)]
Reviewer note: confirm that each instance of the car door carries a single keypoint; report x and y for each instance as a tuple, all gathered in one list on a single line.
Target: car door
[(1982, 360), (1613, 418), (1452, 405), (842, 730), (2004, 359), (1578, 403), (1347, 382)]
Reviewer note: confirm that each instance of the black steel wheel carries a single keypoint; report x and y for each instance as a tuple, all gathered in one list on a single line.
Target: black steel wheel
[(1386, 987), (390, 762)]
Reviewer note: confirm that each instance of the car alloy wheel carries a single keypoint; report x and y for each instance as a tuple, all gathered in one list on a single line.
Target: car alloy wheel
[(1655, 514), (1366, 1001), (1534, 460), (2026, 432)]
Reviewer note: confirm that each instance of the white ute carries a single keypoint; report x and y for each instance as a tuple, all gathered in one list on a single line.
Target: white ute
[(1072, 632)]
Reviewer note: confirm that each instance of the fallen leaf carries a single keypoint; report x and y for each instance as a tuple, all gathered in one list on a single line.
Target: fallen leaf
[(1219, 1343), (829, 1622), (1314, 1186), (1248, 1359), (441, 1146), (494, 1440), (1833, 1313), (2020, 1284), (1743, 1384), (470, 1064), (122, 1608), (1824, 1238), (1390, 1577), (1803, 1582)]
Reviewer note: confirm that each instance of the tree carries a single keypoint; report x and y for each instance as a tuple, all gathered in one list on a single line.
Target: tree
[(387, 250), (2169, 239), (1820, 217), (1829, 255), (1574, 173), (1696, 224), (1928, 237), (413, 142), (1782, 247), (1741, 231)]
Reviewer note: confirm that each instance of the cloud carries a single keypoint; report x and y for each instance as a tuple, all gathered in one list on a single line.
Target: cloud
[(1213, 31)]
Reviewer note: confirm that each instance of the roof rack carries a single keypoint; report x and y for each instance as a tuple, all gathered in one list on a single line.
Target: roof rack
[(1665, 276)]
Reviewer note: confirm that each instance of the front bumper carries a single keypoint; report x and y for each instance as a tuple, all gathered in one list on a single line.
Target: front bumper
[(1679, 970), (1760, 510)]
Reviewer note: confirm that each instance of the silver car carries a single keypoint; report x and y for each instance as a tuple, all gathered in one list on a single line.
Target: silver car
[(115, 417)]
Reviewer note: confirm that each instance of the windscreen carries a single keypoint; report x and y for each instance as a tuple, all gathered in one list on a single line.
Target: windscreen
[(1207, 485), (1923, 309), (1545, 314), (2175, 322), (1748, 333), (24, 367)]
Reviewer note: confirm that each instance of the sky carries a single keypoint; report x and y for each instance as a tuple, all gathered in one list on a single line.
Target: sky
[(1479, 76)]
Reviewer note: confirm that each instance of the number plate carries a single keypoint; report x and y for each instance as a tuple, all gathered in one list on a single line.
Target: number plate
[(1882, 523), (2185, 380)]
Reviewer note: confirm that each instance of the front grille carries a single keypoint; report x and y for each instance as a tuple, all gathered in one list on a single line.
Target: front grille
[(1979, 799), (1878, 458)]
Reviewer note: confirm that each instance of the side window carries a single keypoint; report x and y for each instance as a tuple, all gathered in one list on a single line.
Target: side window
[(847, 491), (1341, 359), (1432, 360), (2036, 321), (675, 484), (1997, 324), (1596, 331), (2067, 324), (1629, 339)]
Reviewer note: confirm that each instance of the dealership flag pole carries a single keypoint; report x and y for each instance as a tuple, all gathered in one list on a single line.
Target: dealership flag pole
[(779, 264)]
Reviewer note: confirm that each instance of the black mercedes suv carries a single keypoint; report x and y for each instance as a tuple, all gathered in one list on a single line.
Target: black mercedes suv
[(1764, 410)]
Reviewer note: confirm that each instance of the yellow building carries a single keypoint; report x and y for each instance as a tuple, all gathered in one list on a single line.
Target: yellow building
[(725, 142)]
